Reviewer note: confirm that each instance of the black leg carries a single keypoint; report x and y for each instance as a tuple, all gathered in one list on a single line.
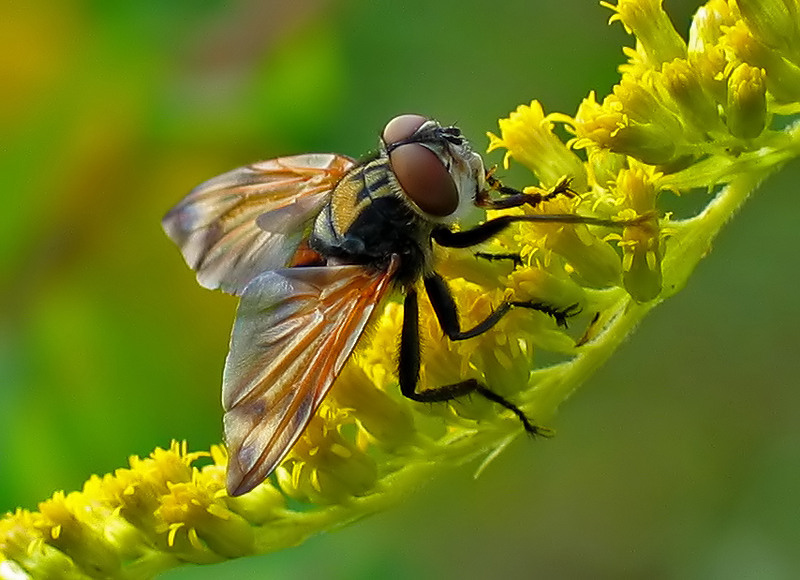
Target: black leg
[(516, 258), (516, 198), (447, 313), (472, 237), (408, 367), (490, 228), (408, 372)]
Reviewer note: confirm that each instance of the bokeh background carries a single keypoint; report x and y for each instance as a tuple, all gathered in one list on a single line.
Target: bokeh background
[(680, 459)]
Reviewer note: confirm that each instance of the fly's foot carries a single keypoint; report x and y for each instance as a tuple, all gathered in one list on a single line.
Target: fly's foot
[(560, 315)]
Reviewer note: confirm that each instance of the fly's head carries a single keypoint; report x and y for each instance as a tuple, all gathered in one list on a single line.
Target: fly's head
[(435, 166)]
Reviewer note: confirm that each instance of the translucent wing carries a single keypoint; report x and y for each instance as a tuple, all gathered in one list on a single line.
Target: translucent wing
[(252, 219), (294, 330)]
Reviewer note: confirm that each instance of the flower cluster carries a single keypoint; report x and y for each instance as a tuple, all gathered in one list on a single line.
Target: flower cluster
[(707, 114), (685, 115)]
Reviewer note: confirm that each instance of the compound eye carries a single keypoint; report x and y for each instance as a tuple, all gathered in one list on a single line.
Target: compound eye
[(424, 178), (401, 128)]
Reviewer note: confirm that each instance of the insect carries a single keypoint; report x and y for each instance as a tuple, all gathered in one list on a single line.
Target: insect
[(312, 244)]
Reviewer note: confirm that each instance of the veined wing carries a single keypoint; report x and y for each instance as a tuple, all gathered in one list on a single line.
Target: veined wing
[(294, 330), (244, 222)]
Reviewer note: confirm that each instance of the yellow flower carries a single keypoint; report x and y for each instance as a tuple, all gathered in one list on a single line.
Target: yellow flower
[(584, 253), (612, 126), (199, 524), (324, 466), (527, 135), (641, 244), (657, 39)]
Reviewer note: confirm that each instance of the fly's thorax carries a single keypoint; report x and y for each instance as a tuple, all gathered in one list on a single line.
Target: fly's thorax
[(369, 218), (354, 193)]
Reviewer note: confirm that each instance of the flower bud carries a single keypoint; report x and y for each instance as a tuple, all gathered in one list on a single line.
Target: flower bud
[(709, 66), (747, 102), (781, 76), (706, 28), (648, 21), (682, 85), (647, 142)]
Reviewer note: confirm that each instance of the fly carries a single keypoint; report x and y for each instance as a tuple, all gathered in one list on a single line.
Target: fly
[(312, 244)]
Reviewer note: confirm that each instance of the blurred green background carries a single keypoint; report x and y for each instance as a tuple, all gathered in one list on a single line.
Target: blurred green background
[(680, 459)]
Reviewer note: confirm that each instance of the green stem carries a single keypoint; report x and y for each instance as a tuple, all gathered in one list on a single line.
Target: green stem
[(690, 244)]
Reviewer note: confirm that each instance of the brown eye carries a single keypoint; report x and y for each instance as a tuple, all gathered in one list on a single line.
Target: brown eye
[(424, 178), (401, 128)]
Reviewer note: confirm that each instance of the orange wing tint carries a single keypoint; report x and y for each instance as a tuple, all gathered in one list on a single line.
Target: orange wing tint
[(294, 331), (235, 226)]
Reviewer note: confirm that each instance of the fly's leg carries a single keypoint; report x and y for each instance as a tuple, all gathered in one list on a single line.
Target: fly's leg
[(516, 258), (515, 198), (409, 364), (491, 228), (447, 313)]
